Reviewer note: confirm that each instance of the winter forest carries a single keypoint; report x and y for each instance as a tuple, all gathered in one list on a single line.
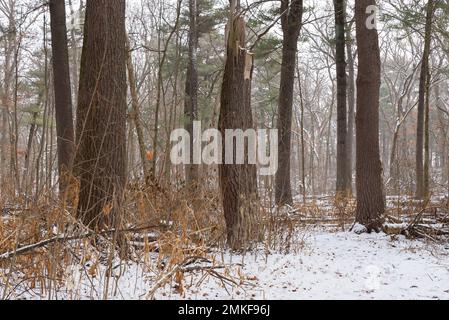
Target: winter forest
[(224, 149)]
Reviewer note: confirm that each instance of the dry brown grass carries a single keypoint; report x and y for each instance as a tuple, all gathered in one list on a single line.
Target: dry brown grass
[(164, 229)]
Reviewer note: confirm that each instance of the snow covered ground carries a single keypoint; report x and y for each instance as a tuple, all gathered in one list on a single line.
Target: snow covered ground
[(327, 266), (346, 266)]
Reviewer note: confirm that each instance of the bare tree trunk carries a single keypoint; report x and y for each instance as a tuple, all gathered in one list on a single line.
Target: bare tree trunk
[(303, 147), (74, 51), (420, 179), (42, 146), (343, 185), (328, 144), (6, 97), (443, 137), (291, 26), (401, 117), (62, 91), (26, 174), (351, 112), (427, 138), (14, 138), (3, 143), (370, 195), (100, 162), (136, 115), (191, 92), (159, 97), (238, 182)]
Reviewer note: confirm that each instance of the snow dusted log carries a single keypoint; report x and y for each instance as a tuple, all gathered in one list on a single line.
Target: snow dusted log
[(420, 226)]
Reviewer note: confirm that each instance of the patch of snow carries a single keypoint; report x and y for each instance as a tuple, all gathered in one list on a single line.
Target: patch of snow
[(359, 228), (396, 225)]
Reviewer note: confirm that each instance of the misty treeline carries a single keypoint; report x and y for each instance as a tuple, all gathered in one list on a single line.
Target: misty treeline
[(91, 91)]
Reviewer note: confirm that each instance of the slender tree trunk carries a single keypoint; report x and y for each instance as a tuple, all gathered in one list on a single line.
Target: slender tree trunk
[(351, 112), (303, 143), (191, 92), (3, 143), (427, 138), (400, 119), (39, 182), (420, 175), (62, 91), (238, 182), (370, 196), (74, 52), (6, 101), (328, 144), (136, 115), (15, 122), (100, 162), (343, 184), (291, 26), (159, 91), (443, 136), (26, 172)]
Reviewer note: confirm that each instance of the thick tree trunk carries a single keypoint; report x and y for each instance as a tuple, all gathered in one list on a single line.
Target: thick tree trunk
[(63, 92), (370, 197), (238, 182), (343, 184), (291, 27), (191, 91), (100, 161), (420, 176)]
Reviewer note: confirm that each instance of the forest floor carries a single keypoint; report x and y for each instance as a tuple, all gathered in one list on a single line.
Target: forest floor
[(314, 260), (329, 265)]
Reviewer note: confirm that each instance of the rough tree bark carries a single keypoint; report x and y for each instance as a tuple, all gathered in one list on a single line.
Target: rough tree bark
[(63, 92), (238, 182), (370, 197), (343, 184), (100, 162), (420, 175), (292, 11)]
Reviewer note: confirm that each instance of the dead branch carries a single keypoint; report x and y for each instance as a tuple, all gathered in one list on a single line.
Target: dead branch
[(64, 238)]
